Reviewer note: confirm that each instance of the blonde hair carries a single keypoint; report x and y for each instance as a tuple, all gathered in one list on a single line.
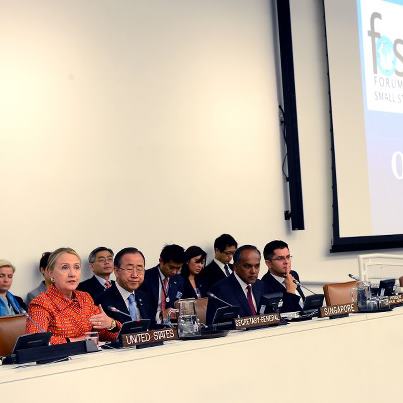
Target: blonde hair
[(55, 254), (6, 263)]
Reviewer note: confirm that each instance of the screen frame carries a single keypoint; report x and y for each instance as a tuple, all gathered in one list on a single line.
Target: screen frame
[(349, 243)]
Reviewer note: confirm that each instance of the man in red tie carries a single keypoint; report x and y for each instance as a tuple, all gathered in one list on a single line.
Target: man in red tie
[(101, 264), (163, 283), (242, 288)]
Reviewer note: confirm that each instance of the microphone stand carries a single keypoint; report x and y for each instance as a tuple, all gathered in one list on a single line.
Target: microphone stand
[(305, 288)]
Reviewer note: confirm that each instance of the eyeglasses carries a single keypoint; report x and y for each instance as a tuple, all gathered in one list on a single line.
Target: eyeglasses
[(104, 259), (282, 258), (131, 269), (228, 253)]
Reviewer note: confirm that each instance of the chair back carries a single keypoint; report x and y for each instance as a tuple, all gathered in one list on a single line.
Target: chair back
[(339, 293), (10, 328), (201, 309)]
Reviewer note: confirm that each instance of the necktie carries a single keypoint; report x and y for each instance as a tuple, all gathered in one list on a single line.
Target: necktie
[(164, 293), (107, 284), (227, 270), (132, 307), (250, 300)]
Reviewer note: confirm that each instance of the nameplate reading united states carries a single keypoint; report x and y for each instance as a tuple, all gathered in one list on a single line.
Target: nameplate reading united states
[(152, 336), (334, 310), (257, 321), (396, 300)]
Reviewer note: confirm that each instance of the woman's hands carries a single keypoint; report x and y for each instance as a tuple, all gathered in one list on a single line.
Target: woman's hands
[(101, 320)]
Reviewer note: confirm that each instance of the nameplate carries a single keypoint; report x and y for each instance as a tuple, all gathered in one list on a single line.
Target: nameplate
[(152, 336), (270, 319), (334, 310), (395, 300)]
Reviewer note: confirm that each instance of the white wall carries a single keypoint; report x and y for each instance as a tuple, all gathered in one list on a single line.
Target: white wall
[(146, 122)]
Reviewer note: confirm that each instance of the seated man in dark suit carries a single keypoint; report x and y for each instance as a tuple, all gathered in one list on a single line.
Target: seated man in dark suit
[(124, 294), (101, 264), (280, 277), (220, 267), (242, 288), (163, 284)]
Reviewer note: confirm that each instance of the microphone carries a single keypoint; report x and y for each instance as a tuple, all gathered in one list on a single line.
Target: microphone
[(354, 277), (113, 309), (305, 288), (210, 294), (36, 324)]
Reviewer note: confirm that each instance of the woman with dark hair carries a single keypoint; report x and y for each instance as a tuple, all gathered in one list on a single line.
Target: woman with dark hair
[(195, 260)]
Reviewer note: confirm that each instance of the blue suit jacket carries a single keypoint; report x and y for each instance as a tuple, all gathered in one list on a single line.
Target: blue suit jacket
[(112, 297), (151, 287), (93, 287), (231, 291)]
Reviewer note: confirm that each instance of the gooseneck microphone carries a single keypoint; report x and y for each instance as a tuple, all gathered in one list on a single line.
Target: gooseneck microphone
[(113, 309), (305, 288), (211, 295), (36, 324), (354, 277)]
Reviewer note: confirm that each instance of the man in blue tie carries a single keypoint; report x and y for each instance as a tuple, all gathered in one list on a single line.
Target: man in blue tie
[(124, 295)]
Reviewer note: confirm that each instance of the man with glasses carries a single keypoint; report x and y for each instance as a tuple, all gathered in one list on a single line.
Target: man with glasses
[(280, 277), (242, 287), (124, 295), (101, 264), (220, 267)]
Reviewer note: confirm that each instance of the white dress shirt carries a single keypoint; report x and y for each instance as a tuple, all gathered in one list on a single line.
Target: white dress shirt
[(101, 280), (221, 266)]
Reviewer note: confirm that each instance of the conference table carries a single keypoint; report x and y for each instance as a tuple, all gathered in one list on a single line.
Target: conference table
[(354, 359)]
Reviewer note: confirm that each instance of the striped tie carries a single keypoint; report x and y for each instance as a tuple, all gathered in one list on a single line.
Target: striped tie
[(132, 307)]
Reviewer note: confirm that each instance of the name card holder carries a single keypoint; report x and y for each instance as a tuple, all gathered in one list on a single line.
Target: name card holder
[(396, 300), (52, 353), (338, 311), (149, 339), (257, 321)]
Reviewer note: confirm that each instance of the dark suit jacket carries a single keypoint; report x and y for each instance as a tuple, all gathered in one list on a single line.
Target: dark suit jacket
[(151, 287), (188, 290), (290, 301), (212, 274), (231, 291), (21, 303), (92, 286), (112, 297)]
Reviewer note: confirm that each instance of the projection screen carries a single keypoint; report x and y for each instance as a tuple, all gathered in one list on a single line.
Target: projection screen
[(365, 59)]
